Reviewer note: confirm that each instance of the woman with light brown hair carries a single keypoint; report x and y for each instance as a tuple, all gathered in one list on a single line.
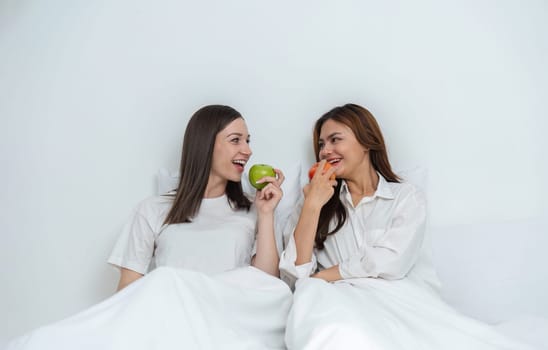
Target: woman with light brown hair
[(324, 241), (360, 237)]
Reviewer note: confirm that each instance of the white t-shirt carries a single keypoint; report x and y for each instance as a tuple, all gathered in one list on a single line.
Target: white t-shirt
[(382, 236), (218, 239)]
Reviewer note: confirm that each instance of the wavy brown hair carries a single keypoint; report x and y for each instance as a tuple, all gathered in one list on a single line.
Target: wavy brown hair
[(196, 159), (368, 133)]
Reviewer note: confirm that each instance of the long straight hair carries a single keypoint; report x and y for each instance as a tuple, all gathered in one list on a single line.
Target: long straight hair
[(196, 159), (368, 133)]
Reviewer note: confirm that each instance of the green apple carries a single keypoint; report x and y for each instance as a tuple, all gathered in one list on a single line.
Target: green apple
[(257, 172)]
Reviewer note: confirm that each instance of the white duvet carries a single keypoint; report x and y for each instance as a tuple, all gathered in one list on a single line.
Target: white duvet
[(375, 314), (248, 309), (177, 309)]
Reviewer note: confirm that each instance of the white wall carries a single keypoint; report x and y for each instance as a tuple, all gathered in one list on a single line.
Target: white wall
[(94, 97)]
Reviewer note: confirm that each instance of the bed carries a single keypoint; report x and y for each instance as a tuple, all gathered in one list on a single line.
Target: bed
[(489, 271)]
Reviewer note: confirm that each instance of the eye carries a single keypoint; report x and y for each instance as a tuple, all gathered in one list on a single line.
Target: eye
[(335, 139), (321, 145), (248, 141), (235, 140)]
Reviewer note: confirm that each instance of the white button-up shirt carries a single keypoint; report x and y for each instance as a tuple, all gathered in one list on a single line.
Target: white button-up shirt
[(381, 238)]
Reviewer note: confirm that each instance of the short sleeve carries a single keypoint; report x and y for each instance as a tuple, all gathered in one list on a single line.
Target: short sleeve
[(135, 246)]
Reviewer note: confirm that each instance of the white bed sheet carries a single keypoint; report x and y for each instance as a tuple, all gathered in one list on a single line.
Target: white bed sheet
[(530, 329), (177, 309), (384, 315)]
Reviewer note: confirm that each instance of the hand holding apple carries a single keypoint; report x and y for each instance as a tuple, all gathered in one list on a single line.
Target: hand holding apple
[(269, 192), (320, 188), (257, 172)]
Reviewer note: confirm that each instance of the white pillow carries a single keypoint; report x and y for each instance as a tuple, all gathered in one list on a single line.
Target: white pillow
[(295, 179), (417, 175), (166, 181)]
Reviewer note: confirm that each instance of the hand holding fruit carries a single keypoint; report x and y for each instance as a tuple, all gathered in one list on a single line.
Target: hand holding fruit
[(320, 189), (258, 172), (326, 167), (267, 181)]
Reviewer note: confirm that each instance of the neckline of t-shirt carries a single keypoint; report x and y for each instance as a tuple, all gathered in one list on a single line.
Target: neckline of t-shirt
[(214, 199)]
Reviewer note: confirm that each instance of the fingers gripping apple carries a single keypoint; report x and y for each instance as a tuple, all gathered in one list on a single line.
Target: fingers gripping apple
[(257, 172), (314, 167)]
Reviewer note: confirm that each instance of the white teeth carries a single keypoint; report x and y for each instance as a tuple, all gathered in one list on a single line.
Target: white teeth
[(239, 161), (334, 160)]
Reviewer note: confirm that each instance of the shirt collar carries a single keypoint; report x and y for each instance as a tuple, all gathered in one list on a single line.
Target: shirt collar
[(383, 189)]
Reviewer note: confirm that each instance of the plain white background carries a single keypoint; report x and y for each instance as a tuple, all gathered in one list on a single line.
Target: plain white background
[(95, 95)]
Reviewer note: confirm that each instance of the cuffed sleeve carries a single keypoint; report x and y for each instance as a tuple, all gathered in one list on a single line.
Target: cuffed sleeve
[(289, 272)]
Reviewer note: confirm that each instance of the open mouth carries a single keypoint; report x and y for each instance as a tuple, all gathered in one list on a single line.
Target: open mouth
[(334, 161), (239, 164)]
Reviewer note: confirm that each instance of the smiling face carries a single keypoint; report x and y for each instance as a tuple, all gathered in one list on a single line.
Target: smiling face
[(338, 144), (231, 152)]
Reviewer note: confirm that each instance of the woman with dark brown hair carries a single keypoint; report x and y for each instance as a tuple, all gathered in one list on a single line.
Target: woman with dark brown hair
[(199, 265), (209, 198), (360, 237)]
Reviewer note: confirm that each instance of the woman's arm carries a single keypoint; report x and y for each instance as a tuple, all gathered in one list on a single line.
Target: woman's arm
[(316, 194), (134, 248), (266, 257), (126, 277), (305, 231)]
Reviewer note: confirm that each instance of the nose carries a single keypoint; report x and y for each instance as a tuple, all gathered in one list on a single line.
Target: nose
[(325, 152), (246, 150)]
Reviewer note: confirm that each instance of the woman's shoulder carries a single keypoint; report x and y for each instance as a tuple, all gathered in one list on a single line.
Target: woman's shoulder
[(405, 189), (155, 206)]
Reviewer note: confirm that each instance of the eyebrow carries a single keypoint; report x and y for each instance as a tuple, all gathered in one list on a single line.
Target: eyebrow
[(332, 134), (237, 134)]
